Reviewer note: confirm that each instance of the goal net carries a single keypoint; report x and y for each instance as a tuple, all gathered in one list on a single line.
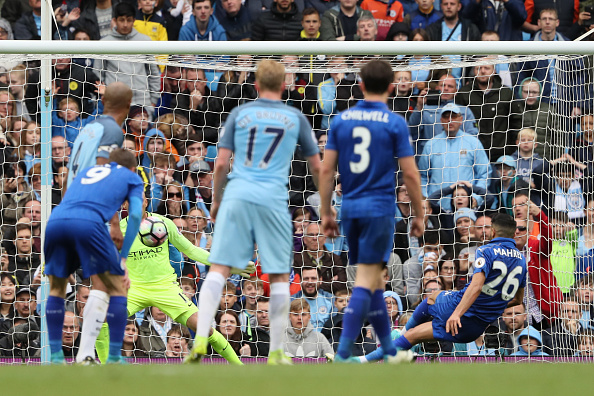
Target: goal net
[(491, 134)]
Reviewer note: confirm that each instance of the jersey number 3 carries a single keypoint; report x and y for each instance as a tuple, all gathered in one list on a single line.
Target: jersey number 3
[(361, 149), (511, 285)]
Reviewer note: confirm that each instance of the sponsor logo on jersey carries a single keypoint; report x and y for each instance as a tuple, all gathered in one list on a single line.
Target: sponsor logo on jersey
[(146, 254)]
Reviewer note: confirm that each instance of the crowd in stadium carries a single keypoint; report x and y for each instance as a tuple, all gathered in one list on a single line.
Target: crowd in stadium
[(486, 140)]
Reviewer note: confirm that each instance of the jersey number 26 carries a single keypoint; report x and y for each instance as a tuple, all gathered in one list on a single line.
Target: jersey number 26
[(511, 285)]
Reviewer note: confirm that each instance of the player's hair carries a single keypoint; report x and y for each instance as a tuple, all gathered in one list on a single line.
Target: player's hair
[(377, 75), (504, 225), (123, 9), (528, 132), (309, 11), (551, 10), (123, 157), (270, 75), (299, 304)]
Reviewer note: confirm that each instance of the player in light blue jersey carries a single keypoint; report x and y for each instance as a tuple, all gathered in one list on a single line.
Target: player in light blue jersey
[(76, 236), (498, 282), (100, 137), (262, 136), (364, 142)]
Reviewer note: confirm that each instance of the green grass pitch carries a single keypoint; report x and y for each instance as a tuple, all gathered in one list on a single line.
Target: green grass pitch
[(304, 380)]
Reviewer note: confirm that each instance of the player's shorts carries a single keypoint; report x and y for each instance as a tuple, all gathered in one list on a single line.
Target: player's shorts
[(76, 243), (370, 239), (166, 296), (441, 311), (240, 224)]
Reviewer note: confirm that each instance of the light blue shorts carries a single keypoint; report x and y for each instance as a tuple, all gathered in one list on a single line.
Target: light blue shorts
[(240, 224)]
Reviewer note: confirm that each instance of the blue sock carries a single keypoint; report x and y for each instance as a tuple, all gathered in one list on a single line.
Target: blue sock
[(354, 315), (117, 315), (420, 315), (54, 313), (402, 343), (378, 354), (379, 319)]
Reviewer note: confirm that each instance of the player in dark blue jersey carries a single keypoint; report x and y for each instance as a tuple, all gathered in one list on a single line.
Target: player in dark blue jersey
[(498, 282), (364, 142), (76, 236)]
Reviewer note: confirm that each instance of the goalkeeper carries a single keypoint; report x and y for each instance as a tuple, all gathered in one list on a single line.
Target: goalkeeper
[(153, 282)]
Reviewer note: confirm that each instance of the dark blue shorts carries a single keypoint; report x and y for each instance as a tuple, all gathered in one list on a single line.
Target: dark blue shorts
[(441, 311), (370, 239), (74, 243)]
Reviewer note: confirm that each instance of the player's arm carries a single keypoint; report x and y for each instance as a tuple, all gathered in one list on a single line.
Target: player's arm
[(412, 180), (134, 218), (221, 170), (326, 187), (115, 232), (470, 296), (518, 298)]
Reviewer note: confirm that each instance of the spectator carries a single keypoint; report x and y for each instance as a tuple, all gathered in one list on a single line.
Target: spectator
[(504, 181), (177, 342), (452, 156), (202, 26), (527, 158), (137, 123), (542, 293), (228, 325), (28, 26), (203, 191), (568, 12), (502, 69), (492, 104), (562, 338), (70, 335), (96, 17), (7, 297), (77, 301), (237, 87), (505, 17), (16, 193), (311, 23), (143, 79), (6, 34), (7, 111), (173, 84), (448, 270), (176, 13), (18, 84), (25, 305), (235, 19), (385, 14), (162, 175), (563, 252), (229, 298), (196, 102), (67, 120), (152, 143), (586, 345), (513, 321), (260, 339), (581, 149), (464, 219), (367, 28), (32, 214), (81, 34), (319, 300), (294, 92), (24, 262), (154, 329), (394, 307), (194, 151), (173, 204), (530, 343), (149, 22), (131, 347), (585, 296), (60, 152), (301, 339), (424, 15), (281, 23), (585, 244), (402, 102), (300, 218), (340, 22), (424, 124), (399, 31), (252, 289), (197, 223)]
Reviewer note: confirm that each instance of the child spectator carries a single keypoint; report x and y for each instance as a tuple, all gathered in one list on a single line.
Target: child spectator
[(177, 342), (564, 250), (536, 114), (527, 159), (67, 120), (188, 285), (503, 183), (150, 22), (582, 148), (530, 343), (402, 102), (301, 340), (229, 298), (252, 289), (586, 345)]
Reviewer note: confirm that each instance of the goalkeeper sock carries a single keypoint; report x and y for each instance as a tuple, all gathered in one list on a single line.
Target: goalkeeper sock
[(117, 316), (223, 348), (102, 343), (93, 318), (54, 313), (420, 315), (354, 315), (280, 299), (379, 319), (210, 298)]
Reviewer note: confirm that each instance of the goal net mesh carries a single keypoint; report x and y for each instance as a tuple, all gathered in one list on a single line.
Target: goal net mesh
[(490, 134)]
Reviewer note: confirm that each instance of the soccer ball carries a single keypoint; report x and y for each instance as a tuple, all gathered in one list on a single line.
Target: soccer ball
[(152, 231)]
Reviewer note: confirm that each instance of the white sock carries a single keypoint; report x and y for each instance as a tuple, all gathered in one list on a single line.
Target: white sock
[(208, 303), (93, 318), (363, 359), (280, 299)]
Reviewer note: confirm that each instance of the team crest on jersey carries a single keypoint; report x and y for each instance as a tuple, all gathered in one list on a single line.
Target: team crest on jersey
[(392, 14), (479, 262), (463, 152), (322, 310)]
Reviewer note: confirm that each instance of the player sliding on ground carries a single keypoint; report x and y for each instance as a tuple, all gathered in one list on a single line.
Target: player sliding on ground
[(76, 236), (462, 316), (262, 135), (153, 283), (363, 141)]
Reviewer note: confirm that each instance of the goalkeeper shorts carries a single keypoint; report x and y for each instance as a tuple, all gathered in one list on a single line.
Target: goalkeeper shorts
[(240, 224), (166, 296)]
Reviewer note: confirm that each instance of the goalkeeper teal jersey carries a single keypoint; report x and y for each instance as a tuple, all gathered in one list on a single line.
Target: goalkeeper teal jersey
[(151, 264)]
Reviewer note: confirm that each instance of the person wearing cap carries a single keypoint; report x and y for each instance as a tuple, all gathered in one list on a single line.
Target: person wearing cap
[(452, 156), (395, 307), (464, 219), (503, 182), (424, 16), (399, 31), (425, 122)]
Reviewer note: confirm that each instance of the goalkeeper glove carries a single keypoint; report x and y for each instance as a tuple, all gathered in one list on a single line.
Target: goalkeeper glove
[(250, 269)]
